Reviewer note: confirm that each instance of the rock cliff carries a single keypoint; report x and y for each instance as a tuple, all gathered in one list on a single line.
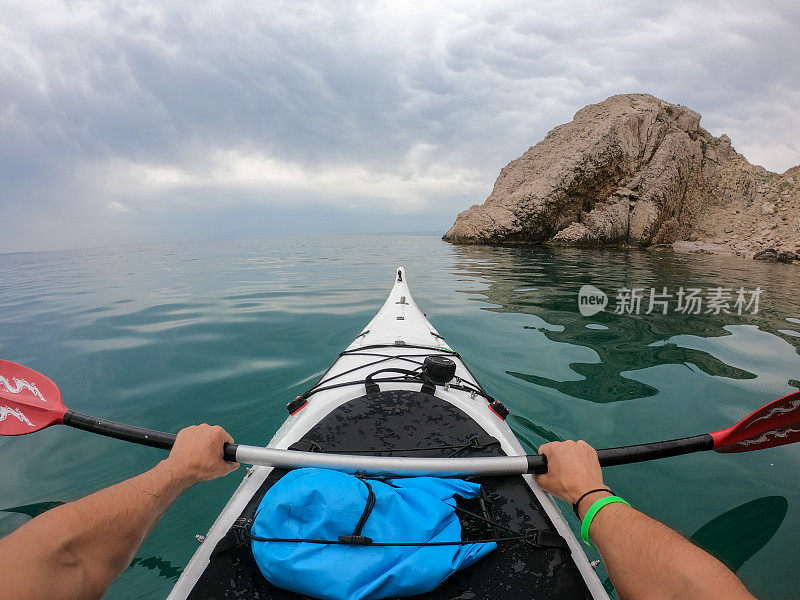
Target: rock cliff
[(636, 170)]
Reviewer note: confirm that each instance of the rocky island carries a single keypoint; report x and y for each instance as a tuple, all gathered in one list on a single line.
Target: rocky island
[(639, 171)]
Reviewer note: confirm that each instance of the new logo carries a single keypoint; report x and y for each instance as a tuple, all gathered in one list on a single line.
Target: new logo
[(591, 300)]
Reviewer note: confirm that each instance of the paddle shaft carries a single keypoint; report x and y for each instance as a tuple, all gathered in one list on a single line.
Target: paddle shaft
[(391, 465), (129, 433), (31, 402)]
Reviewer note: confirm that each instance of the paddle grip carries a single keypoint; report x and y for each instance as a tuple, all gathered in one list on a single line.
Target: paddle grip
[(229, 452), (609, 457), (537, 463), (129, 433)]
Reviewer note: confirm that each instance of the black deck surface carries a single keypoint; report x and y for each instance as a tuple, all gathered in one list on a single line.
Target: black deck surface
[(402, 420)]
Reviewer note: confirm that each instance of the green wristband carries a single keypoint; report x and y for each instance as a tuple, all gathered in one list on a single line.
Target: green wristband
[(593, 510)]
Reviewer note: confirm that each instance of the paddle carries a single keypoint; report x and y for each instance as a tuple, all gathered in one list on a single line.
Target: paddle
[(29, 402)]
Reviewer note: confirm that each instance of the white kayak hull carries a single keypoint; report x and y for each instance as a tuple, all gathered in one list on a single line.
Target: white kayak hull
[(401, 330)]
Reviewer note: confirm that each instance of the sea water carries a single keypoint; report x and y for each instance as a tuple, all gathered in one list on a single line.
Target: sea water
[(227, 332)]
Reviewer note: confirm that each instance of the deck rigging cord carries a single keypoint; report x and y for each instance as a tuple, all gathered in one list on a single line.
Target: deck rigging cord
[(407, 376)]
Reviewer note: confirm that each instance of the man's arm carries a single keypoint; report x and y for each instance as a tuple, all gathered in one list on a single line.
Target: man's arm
[(644, 558), (76, 550)]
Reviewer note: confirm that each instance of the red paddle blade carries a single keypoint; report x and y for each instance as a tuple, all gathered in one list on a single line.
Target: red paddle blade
[(29, 401), (775, 424)]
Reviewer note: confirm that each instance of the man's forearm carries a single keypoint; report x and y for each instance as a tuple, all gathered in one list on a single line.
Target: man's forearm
[(89, 542), (122, 516), (647, 560), (76, 550)]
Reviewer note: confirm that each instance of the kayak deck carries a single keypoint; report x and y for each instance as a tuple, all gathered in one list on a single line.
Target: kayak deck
[(414, 423)]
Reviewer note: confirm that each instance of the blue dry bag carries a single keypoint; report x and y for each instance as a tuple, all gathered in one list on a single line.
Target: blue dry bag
[(318, 504)]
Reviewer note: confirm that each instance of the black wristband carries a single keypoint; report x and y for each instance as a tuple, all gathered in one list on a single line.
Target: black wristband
[(578, 501)]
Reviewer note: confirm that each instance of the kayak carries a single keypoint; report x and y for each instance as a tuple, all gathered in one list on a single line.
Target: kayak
[(374, 401)]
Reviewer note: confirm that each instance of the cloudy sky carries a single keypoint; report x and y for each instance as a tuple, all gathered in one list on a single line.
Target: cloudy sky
[(127, 122)]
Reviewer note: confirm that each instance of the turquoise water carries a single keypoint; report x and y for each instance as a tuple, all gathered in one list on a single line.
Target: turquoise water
[(163, 336)]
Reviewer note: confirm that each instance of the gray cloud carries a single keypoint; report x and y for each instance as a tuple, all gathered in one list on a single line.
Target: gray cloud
[(116, 117)]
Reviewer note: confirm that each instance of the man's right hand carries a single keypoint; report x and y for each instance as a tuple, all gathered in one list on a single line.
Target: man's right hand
[(572, 470), (644, 558), (197, 454)]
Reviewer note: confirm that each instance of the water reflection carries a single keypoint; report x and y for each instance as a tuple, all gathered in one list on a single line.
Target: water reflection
[(544, 282), (33, 510), (736, 535), (521, 428), (163, 568)]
